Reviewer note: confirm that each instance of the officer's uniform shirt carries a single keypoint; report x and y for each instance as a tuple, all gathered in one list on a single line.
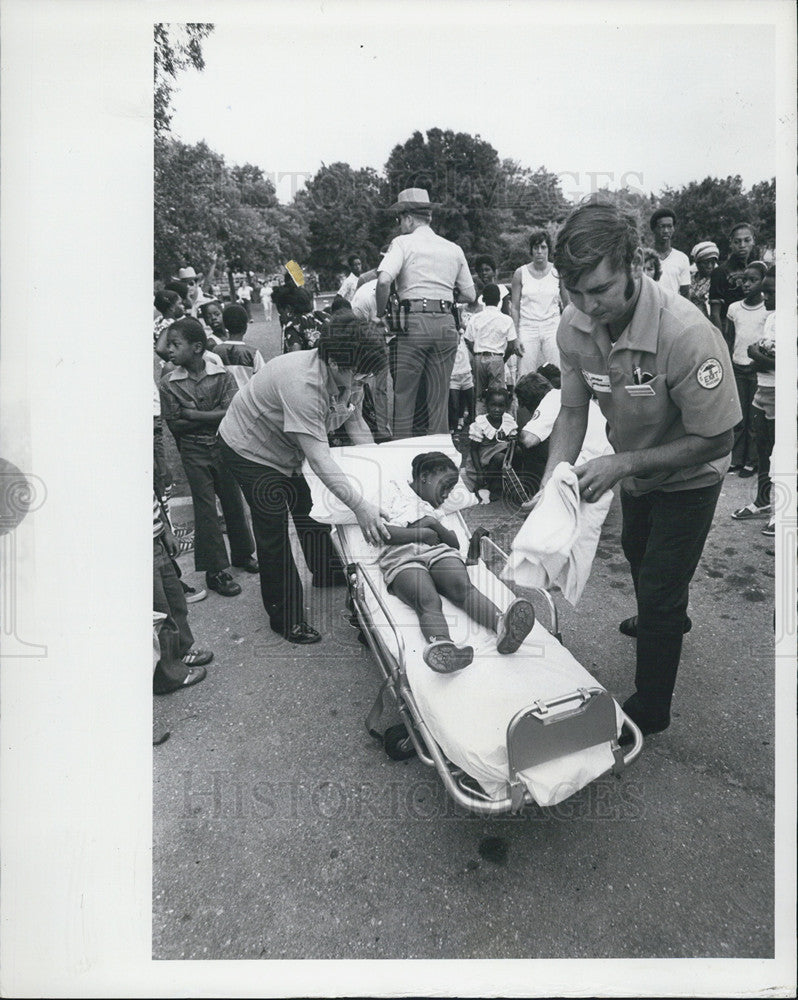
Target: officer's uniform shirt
[(668, 375), (426, 266)]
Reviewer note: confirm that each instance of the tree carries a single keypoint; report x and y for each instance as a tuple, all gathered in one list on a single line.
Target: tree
[(177, 47), (342, 208), (634, 203), (206, 211), (762, 198), (532, 197), (463, 173), (706, 210)]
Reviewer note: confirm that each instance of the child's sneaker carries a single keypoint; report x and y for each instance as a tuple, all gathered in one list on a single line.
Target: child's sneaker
[(442, 656), (185, 545), (193, 595), (183, 530), (514, 625)]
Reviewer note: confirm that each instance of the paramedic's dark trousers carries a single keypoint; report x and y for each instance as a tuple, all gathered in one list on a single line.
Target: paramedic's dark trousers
[(663, 537), (271, 496)]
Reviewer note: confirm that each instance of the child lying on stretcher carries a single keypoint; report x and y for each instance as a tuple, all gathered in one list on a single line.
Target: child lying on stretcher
[(422, 561)]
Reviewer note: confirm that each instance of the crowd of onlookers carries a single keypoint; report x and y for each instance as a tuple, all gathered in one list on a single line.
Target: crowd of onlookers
[(503, 393)]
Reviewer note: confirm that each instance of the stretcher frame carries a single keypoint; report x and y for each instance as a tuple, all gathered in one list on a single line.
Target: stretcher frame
[(541, 731)]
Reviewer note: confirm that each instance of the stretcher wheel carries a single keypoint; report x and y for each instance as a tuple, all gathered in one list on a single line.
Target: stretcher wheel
[(397, 743)]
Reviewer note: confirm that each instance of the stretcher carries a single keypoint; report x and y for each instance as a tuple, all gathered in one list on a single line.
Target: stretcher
[(507, 731)]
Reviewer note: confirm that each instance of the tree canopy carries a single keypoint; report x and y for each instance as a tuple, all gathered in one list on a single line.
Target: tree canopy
[(177, 47), (206, 211), (341, 208), (707, 210)]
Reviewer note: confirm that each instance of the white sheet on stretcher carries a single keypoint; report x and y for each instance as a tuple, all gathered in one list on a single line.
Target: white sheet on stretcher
[(468, 712)]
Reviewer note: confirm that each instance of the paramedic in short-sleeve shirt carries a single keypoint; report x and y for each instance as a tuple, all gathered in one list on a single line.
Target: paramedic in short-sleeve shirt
[(687, 385), (662, 376)]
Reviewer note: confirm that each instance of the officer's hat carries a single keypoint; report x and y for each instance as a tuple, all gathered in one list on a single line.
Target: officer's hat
[(413, 200)]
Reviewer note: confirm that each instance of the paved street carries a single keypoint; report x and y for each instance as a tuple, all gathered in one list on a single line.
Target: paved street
[(281, 829)]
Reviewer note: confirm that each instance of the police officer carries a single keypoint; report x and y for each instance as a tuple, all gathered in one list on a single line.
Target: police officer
[(427, 269), (662, 375)]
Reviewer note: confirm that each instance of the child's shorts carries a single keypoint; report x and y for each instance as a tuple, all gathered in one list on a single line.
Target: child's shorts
[(394, 558), (464, 380)]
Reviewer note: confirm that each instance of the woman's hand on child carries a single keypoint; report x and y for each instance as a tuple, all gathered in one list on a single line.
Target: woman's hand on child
[(372, 523)]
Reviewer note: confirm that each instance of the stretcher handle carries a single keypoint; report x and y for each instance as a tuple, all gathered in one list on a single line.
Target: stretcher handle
[(553, 613), (360, 573), (631, 755)]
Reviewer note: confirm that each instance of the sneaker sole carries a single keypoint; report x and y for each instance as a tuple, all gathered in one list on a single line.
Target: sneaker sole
[(448, 659), (199, 596), (519, 621)]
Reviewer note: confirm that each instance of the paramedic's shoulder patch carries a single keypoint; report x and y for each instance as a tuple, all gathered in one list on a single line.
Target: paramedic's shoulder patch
[(710, 374)]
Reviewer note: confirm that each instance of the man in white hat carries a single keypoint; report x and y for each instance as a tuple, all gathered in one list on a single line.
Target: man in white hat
[(195, 295), (427, 270)]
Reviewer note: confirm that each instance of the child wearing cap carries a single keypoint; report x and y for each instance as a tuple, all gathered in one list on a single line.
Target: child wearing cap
[(705, 257)]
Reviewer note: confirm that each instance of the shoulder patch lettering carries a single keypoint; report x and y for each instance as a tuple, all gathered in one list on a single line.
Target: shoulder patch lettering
[(710, 374)]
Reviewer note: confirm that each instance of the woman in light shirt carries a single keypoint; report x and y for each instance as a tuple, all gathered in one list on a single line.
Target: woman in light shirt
[(535, 305)]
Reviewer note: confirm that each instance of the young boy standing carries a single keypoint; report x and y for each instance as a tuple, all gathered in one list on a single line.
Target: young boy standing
[(745, 325), (241, 360), (194, 398), (490, 335), (763, 408)]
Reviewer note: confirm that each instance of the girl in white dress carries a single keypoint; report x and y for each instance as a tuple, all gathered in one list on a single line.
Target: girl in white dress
[(422, 561)]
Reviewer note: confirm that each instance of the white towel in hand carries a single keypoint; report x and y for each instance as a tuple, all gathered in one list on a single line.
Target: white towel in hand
[(556, 544)]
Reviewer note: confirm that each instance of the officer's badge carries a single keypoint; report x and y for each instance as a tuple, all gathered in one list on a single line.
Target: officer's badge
[(710, 374)]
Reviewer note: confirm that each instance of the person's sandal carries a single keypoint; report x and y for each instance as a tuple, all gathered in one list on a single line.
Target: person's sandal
[(751, 510)]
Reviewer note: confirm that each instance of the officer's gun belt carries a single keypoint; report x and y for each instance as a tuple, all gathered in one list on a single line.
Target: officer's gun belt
[(426, 305)]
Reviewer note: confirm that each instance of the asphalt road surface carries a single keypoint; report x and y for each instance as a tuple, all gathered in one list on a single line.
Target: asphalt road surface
[(281, 829)]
